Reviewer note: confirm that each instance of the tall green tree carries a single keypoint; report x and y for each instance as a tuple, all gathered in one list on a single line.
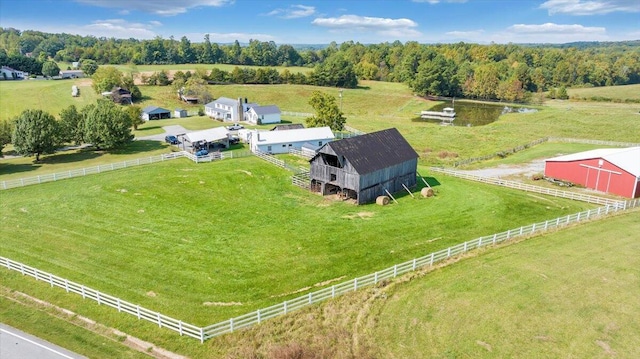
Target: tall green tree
[(71, 125), (106, 126), (135, 115), (35, 133), (106, 78), (50, 69), (89, 67), (327, 112), (6, 128)]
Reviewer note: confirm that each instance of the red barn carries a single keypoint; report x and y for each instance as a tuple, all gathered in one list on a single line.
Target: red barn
[(610, 170)]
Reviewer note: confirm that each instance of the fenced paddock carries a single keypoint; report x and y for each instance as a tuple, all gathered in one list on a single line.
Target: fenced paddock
[(256, 317), (530, 188)]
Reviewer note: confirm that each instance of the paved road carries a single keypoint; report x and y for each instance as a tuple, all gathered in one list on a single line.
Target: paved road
[(15, 344)]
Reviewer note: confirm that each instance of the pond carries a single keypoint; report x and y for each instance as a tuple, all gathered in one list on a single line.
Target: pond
[(474, 113)]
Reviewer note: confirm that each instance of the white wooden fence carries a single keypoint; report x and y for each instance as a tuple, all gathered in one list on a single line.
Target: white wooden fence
[(530, 188), (21, 182), (257, 317)]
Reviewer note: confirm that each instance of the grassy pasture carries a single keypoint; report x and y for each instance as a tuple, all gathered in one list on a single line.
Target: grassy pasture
[(626, 92), (236, 232), (47, 95), (568, 294)]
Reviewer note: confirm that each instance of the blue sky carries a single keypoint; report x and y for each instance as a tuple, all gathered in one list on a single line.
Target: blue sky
[(323, 21)]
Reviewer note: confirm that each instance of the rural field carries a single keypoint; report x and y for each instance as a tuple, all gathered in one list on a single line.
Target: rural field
[(202, 243), (206, 242)]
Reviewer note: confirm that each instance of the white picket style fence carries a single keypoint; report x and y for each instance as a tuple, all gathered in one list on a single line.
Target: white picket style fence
[(256, 317), (530, 188)]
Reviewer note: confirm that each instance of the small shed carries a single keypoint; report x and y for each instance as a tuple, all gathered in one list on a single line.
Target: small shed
[(180, 113), (155, 113), (609, 170), (365, 167)]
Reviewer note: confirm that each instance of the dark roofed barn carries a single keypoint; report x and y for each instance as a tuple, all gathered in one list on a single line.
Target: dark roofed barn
[(363, 167), (155, 113)]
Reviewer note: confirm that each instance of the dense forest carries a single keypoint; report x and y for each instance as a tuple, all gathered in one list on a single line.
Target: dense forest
[(504, 72)]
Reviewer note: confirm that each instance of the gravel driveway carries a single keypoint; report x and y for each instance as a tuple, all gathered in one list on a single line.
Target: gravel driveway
[(526, 169)]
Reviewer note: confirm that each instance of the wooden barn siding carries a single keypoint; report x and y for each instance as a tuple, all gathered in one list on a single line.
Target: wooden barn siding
[(344, 179), (385, 174), (392, 185)]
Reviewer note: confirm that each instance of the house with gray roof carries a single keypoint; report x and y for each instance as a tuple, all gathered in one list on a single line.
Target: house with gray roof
[(262, 115)]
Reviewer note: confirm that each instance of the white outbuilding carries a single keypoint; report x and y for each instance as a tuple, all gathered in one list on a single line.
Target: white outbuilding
[(283, 141)]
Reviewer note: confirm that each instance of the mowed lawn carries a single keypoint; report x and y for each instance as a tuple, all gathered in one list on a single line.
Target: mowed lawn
[(570, 294), (206, 242)]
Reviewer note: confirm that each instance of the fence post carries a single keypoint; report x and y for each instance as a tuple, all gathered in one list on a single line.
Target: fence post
[(159, 321), (118, 304), (258, 316), (465, 246), (355, 284), (51, 279), (395, 270), (98, 297), (285, 307), (333, 291), (82, 291), (431, 261), (495, 237), (533, 228), (508, 234), (375, 275), (231, 324), (138, 310), (448, 252), (310, 299), (414, 264), (66, 285)]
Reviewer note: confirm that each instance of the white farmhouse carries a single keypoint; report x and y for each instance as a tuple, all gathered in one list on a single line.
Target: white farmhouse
[(261, 115), (283, 141)]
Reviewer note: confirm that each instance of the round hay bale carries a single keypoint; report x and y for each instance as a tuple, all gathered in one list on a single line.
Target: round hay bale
[(382, 200), (426, 192)]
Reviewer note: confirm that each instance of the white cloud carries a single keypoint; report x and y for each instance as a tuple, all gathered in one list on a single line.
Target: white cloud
[(590, 7), (293, 12), (556, 29), (472, 34), (119, 28), (402, 29), (158, 7)]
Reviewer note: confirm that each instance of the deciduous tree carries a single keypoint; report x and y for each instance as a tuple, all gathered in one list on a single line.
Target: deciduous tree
[(327, 112), (89, 67), (50, 69), (71, 125), (35, 133), (106, 126), (6, 127)]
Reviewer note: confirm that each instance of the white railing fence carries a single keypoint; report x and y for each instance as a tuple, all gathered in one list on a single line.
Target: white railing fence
[(21, 182), (530, 188), (256, 317)]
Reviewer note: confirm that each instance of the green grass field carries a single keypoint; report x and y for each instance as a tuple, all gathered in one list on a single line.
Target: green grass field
[(627, 92), (48, 95), (236, 231), (567, 294)]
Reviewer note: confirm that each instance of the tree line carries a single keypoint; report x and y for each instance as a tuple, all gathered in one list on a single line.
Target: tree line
[(104, 125), (499, 72)]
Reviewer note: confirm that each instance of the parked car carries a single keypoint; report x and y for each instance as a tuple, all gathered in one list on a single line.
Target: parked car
[(171, 139), (235, 127), (233, 140), (202, 152)]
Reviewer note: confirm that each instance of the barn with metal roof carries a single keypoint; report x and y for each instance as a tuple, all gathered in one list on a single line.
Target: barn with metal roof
[(609, 170), (365, 167)]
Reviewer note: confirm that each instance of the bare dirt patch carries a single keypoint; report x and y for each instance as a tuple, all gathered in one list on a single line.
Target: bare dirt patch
[(484, 345), (151, 294), (605, 346), (361, 215), (246, 172)]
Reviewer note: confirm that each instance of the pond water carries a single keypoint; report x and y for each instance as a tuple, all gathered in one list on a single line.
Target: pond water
[(474, 113)]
